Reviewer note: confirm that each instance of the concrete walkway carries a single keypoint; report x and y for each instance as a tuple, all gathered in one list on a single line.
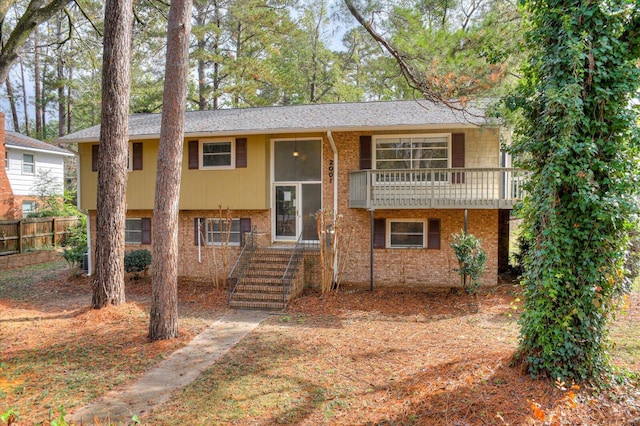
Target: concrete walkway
[(177, 371)]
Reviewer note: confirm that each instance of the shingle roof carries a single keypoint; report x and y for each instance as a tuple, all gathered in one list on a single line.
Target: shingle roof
[(301, 118), (17, 140)]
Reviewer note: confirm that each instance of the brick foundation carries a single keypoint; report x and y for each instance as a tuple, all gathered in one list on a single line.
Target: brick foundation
[(16, 261)]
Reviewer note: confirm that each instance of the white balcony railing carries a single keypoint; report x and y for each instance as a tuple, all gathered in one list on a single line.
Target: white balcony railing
[(487, 188)]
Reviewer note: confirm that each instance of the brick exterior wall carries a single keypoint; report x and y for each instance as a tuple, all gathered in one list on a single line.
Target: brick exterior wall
[(8, 206), (392, 267), (410, 267), (195, 263)]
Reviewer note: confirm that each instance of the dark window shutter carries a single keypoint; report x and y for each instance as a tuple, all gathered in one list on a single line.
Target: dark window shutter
[(146, 230), (241, 152), (94, 158), (245, 226), (365, 152), (379, 233), (194, 155), (457, 156), (137, 156), (433, 237), (202, 230)]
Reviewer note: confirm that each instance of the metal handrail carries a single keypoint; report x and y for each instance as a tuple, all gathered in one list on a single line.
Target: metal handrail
[(241, 263), (290, 271)]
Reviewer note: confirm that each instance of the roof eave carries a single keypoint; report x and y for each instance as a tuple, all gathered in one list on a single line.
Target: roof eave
[(299, 130), (46, 151)]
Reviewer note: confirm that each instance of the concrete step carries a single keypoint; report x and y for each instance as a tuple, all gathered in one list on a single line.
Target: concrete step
[(261, 280), (271, 272), (253, 288), (261, 297), (267, 306)]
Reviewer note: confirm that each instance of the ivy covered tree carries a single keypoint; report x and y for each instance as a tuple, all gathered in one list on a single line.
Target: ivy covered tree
[(578, 136)]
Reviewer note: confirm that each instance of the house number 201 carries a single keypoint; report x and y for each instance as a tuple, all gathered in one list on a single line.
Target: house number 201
[(331, 171)]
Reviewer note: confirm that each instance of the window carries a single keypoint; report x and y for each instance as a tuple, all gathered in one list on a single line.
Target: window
[(216, 232), (406, 234), (6, 160), (28, 207), (133, 231), (137, 231), (412, 153), (217, 154), (28, 164)]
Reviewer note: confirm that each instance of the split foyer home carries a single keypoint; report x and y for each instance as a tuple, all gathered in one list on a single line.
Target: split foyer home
[(25, 161), (403, 176)]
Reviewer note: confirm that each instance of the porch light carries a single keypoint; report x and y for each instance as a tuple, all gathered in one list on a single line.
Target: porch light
[(296, 153)]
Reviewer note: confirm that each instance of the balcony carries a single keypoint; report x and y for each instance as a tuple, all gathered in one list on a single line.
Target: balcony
[(487, 188)]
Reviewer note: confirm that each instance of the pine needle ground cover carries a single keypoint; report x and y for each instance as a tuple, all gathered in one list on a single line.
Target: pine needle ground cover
[(389, 357), (57, 352), (397, 358)]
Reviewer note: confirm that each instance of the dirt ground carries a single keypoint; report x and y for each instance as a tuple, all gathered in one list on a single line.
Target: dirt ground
[(391, 357)]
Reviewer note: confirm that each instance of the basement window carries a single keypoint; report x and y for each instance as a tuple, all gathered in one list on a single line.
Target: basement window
[(219, 231), (405, 233)]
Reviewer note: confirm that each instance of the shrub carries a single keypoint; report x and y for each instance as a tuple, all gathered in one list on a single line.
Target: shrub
[(137, 261), (471, 260), (76, 242)]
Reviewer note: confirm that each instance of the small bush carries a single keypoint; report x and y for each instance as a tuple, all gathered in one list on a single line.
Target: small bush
[(76, 243), (137, 261), (471, 260)]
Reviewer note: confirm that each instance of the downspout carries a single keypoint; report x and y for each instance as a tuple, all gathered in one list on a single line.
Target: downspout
[(335, 204), (78, 204), (89, 252)]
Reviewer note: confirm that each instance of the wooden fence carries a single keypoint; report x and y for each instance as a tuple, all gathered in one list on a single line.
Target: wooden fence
[(19, 236)]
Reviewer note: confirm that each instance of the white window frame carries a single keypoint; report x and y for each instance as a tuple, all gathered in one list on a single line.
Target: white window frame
[(7, 165), (130, 157), (32, 164), (33, 205), (208, 233), (129, 232), (203, 142), (378, 138), (425, 232)]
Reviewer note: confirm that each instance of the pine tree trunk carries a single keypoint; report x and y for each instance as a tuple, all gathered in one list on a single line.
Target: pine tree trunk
[(37, 77), (12, 105), (163, 322), (24, 99), (108, 284)]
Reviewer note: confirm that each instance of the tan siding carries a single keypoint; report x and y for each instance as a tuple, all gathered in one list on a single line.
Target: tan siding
[(88, 179), (141, 184), (244, 188)]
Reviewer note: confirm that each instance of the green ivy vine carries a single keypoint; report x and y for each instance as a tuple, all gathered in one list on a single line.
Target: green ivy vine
[(578, 136)]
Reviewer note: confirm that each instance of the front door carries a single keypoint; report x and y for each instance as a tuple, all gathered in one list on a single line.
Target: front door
[(286, 212), (297, 189)]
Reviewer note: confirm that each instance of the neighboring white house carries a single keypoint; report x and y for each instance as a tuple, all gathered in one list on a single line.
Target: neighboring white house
[(25, 161)]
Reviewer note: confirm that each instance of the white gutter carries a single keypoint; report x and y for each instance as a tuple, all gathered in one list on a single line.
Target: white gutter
[(41, 150), (89, 256), (335, 204)]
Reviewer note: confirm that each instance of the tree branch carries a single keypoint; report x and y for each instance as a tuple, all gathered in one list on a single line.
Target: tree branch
[(37, 12), (93, 25), (409, 73)]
